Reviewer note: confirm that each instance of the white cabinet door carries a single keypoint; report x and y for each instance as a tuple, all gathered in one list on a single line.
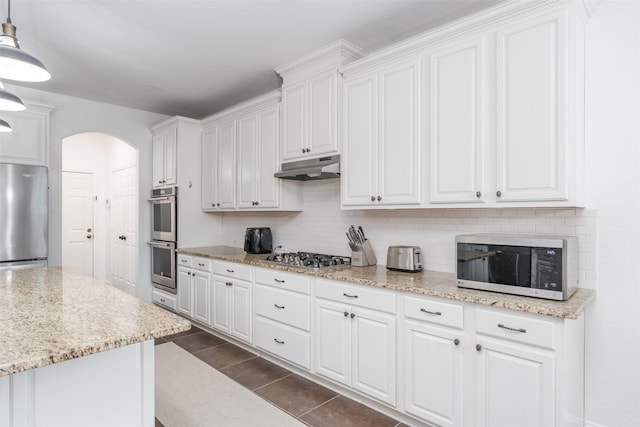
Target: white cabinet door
[(359, 159), (184, 283), (374, 354), (227, 164), (210, 170), (247, 146), (323, 113), (201, 300), (158, 160), (532, 122), (515, 386), (333, 341), (220, 304), (268, 159), (294, 134), (241, 311), (170, 157), (433, 374), (457, 121), (399, 153)]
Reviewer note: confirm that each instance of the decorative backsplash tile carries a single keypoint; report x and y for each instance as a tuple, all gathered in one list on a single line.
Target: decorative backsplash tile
[(322, 225)]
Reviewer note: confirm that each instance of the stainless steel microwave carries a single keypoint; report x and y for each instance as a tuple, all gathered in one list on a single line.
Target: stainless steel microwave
[(530, 265)]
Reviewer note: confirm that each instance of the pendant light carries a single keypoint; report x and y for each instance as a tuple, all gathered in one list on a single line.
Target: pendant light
[(9, 101), (15, 63), (5, 127)]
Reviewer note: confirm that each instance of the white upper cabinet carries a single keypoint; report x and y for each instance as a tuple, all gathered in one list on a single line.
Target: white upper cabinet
[(382, 156), (457, 121), (28, 144), (310, 102), (533, 106), (240, 155), (165, 146)]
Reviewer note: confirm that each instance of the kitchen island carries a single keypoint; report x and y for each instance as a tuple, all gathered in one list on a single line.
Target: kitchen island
[(75, 351)]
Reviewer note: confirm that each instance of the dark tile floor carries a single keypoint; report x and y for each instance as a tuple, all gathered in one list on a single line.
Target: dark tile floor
[(309, 402)]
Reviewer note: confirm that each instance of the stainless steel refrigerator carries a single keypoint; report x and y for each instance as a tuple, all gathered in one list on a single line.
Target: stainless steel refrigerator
[(24, 203)]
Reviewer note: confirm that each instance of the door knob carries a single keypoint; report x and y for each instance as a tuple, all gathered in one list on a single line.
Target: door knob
[(88, 230), (88, 236)]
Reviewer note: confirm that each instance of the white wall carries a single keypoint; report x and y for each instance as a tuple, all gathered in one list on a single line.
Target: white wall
[(73, 116)]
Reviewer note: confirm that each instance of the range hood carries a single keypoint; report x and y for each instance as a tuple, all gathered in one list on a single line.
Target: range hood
[(307, 170)]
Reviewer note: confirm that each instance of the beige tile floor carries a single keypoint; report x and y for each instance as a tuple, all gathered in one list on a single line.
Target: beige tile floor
[(309, 402)]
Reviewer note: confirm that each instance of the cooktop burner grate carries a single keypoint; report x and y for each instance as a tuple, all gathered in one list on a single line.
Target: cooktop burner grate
[(308, 259)]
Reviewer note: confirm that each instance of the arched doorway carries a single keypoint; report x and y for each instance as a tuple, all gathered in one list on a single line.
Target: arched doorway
[(100, 208)]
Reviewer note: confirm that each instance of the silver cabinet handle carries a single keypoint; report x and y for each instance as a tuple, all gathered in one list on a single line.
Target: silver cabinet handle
[(521, 330), (163, 300), (353, 315), (373, 199), (379, 198), (279, 306), (184, 261), (278, 341), (435, 313), (230, 271), (499, 193), (456, 341), (478, 347), (478, 194), (349, 296), (201, 264), (228, 283), (279, 281), (346, 313)]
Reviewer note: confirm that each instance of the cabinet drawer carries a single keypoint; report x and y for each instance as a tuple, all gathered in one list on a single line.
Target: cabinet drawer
[(521, 329), (231, 269), (292, 282), (431, 311), (164, 299), (357, 295), (283, 341), (283, 306), (184, 260), (203, 264)]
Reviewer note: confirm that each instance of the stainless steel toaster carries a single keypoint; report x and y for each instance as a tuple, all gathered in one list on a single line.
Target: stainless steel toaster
[(404, 258)]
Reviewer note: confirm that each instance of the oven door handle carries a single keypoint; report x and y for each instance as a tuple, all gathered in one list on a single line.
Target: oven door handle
[(160, 244), (159, 199)]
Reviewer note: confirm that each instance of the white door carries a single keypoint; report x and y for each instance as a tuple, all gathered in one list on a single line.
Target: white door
[(124, 229), (322, 114), (201, 285), (374, 334), (246, 165), (241, 311), (399, 145), (333, 341), (184, 291), (227, 164), (359, 182), (219, 305), (294, 130), (268, 158), (77, 221), (433, 374)]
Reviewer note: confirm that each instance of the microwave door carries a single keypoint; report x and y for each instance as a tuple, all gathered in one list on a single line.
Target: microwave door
[(510, 266)]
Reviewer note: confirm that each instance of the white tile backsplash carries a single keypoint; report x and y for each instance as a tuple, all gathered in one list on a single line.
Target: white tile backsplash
[(322, 225)]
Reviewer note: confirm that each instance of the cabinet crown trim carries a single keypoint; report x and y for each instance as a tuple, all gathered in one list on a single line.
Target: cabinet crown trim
[(177, 121), (251, 105), (334, 55)]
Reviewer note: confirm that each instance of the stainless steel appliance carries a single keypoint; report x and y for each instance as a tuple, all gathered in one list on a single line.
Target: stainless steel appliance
[(537, 266), (163, 265), (326, 167), (24, 205), (308, 259), (163, 214), (404, 258), (164, 208), (258, 240)]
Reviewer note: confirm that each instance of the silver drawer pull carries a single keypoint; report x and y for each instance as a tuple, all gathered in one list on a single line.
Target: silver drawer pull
[(435, 313), (279, 281), (201, 264), (184, 261), (228, 283), (230, 271), (279, 306), (278, 341), (163, 300), (500, 325), (350, 296)]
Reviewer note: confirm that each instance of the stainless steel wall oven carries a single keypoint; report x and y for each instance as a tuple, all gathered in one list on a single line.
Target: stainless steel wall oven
[(164, 222)]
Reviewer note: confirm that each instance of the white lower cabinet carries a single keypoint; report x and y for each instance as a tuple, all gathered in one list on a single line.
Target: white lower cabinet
[(433, 356), (231, 300), (283, 315), (354, 345), (165, 299), (193, 283)]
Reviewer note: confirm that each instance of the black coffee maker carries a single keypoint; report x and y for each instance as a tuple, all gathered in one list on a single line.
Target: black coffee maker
[(258, 240)]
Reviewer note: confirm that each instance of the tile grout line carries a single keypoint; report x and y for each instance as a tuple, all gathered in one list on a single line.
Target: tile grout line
[(274, 381), (316, 407)]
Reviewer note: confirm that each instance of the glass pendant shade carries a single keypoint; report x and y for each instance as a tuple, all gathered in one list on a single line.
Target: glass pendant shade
[(5, 127), (16, 64), (10, 102)]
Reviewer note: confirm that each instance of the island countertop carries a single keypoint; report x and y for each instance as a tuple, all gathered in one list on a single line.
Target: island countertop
[(428, 283), (49, 315)]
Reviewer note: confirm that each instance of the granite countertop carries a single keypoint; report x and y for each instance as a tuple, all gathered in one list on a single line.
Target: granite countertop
[(49, 315), (429, 283)]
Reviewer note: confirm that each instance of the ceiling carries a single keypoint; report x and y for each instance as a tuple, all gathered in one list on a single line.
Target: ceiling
[(195, 58)]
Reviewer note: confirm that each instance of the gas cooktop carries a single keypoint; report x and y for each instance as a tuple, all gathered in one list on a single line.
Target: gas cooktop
[(308, 259)]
